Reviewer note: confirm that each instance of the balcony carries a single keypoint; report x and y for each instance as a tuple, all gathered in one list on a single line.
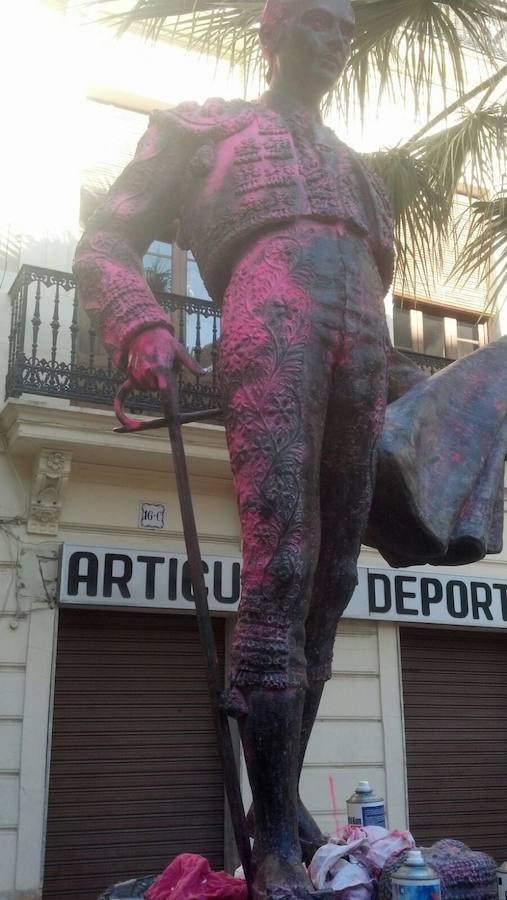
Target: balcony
[(54, 352), (429, 364)]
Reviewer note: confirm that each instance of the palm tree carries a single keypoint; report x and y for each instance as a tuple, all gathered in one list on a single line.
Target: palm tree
[(401, 46)]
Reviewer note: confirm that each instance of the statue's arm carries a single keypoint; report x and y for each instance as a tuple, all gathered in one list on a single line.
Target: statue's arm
[(138, 209)]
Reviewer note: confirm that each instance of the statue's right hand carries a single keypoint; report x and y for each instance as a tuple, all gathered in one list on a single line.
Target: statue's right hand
[(152, 357)]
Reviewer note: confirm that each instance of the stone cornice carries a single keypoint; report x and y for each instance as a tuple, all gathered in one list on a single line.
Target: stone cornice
[(29, 426)]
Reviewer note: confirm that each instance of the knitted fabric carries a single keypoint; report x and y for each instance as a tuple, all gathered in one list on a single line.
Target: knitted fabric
[(464, 874)]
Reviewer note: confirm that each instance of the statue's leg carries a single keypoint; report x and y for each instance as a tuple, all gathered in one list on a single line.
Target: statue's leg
[(275, 377), (270, 737), (334, 583), (310, 835), (353, 426)]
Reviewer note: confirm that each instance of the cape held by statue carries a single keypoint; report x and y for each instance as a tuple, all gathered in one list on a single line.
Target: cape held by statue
[(440, 474)]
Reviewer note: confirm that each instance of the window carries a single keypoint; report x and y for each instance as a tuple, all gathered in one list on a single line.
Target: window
[(468, 337), (169, 269), (195, 284), (199, 328), (158, 266), (435, 333)]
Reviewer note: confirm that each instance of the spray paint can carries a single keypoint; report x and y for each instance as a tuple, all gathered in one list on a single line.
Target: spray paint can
[(414, 880), (501, 874), (364, 808)]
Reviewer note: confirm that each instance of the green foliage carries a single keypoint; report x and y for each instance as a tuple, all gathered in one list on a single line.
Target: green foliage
[(403, 48), (485, 250), (420, 211), (410, 43), (467, 152), (422, 178), (407, 45)]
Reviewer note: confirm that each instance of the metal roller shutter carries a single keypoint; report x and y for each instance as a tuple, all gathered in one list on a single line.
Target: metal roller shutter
[(455, 707), (135, 776)]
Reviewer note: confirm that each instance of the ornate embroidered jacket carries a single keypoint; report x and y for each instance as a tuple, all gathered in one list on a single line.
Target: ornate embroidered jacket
[(212, 176)]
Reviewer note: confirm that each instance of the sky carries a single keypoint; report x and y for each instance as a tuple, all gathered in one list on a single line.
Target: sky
[(50, 64)]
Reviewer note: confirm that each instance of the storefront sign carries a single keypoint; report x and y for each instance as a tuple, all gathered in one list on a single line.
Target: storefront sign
[(403, 595), (120, 578)]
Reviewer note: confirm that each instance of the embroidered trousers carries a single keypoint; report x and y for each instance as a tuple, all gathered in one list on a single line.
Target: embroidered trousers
[(303, 369)]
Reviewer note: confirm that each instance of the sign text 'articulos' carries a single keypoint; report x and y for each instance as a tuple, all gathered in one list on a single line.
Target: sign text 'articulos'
[(122, 578)]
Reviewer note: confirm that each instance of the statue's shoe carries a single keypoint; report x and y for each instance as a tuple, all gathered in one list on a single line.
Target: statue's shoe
[(278, 878)]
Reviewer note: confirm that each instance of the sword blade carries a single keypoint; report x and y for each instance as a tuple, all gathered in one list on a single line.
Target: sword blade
[(207, 638)]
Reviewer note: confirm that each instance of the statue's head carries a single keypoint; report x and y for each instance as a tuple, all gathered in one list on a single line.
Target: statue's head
[(306, 39)]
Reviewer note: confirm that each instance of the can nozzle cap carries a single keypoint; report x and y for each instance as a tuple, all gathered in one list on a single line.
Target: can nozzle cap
[(414, 858), (363, 787)]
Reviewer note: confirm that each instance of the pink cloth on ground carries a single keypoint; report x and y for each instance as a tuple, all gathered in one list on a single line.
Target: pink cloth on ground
[(189, 877)]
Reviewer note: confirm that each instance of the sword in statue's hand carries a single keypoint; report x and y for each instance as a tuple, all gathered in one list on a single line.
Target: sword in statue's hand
[(171, 418)]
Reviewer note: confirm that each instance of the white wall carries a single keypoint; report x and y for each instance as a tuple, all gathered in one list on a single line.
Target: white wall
[(26, 654), (354, 735)]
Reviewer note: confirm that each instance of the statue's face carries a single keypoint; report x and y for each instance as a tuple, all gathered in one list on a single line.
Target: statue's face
[(315, 45)]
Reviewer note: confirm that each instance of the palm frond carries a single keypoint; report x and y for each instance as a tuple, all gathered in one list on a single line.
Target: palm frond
[(421, 213), (485, 250), (158, 278), (11, 246), (484, 89), (470, 152), (405, 44), (226, 31)]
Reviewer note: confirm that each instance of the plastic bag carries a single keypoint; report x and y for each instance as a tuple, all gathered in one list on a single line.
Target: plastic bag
[(351, 868), (375, 844), (362, 892), (189, 877), (329, 868), (380, 848)]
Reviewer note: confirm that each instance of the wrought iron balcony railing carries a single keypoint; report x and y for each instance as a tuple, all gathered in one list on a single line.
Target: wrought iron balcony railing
[(54, 352), (429, 364)]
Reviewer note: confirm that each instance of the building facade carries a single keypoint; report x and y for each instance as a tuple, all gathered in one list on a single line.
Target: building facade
[(108, 764)]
